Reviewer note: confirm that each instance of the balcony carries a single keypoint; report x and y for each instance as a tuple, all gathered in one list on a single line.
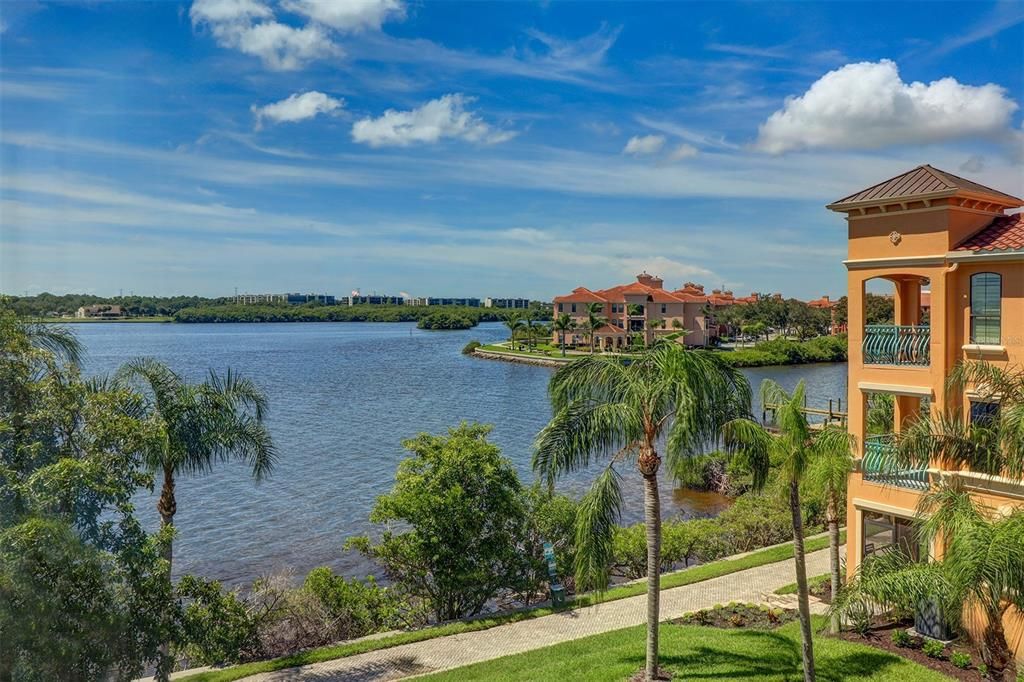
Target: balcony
[(897, 344), (880, 465)]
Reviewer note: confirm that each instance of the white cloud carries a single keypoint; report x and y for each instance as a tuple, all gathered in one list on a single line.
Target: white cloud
[(867, 105), (643, 145), (683, 151), (297, 107), (348, 15), (445, 117), (249, 27)]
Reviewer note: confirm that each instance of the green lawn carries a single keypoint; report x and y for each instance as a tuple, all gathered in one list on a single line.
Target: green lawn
[(812, 581), (688, 576), (692, 652)]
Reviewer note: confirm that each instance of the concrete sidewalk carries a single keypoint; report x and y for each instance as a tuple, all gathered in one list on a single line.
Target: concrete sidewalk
[(454, 651)]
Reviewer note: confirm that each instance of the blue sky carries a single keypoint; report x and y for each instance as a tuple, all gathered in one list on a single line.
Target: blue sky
[(479, 149)]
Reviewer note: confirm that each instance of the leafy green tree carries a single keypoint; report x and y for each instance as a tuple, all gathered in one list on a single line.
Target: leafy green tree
[(794, 448), (462, 505), (562, 324), (623, 412), (83, 592), (199, 425)]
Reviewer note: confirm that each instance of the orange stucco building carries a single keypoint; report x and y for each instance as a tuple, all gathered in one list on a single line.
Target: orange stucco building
[(647, 308), (927, 228)]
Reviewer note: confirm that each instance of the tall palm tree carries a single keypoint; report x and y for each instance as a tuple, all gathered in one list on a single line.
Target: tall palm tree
[(828, 474), (199, 425), (528, 322), (593, 322), (793, 448), (514, 323), (562, 324), (620, 412)]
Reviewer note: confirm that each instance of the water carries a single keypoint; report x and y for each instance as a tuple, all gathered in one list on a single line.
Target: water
[(343, 396)]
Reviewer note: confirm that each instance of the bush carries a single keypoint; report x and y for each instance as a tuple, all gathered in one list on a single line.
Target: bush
[(786, 352), (960, 659), (470, 347), (463, 523), (902, 638), (933, 648), (217, 626)]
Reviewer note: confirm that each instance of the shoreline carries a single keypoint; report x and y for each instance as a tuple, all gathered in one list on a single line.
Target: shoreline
[(560, 361)]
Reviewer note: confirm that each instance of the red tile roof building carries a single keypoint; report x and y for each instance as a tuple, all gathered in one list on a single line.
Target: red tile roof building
[(645, 307)]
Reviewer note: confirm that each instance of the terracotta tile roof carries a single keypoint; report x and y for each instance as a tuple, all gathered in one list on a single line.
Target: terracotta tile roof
[(1005, 233), (610, 329), (581, 295), (926, 299), (822, 302), (922, 180)]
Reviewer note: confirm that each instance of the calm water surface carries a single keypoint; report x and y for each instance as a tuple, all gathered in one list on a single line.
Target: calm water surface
[(343, 396)]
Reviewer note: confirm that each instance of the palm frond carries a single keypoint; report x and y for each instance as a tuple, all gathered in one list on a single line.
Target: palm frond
[(596, 519), (56, 339), (751, 444), (580, 431)]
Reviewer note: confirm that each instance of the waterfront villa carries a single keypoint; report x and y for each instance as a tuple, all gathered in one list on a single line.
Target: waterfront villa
[(643, 307), (103, 312), (928, 227)]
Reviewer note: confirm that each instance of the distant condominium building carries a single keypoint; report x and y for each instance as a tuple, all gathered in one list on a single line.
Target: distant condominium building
[(292, 299), (467, 302), (507, 303), (372, 299), (643, 308)]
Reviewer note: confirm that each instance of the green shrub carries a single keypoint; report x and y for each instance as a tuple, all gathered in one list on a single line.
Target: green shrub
[(960, 659), (217, 626), (356, 607), (983, 671), (446, 320), (861, 615), (933, 648), (902, 638), (470, 347)]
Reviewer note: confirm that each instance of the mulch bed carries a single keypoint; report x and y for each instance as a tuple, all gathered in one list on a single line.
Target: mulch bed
[(732, 616), (880, 637)]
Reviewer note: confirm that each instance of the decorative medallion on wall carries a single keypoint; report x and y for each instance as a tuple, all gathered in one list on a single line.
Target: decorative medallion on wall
[(895, 237)]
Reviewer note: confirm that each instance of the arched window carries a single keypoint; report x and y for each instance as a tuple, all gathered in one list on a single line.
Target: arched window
[(986, 295)]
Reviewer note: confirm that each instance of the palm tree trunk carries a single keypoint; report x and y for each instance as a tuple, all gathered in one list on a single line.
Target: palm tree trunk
[(994, 648), (833, 556), (167, 506), (801, 581), (652, 524)]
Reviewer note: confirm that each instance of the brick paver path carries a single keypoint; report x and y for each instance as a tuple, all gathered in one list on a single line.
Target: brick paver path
[(443, 653)]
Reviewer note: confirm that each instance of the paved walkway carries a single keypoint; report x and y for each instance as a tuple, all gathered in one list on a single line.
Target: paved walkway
[(444, 653)]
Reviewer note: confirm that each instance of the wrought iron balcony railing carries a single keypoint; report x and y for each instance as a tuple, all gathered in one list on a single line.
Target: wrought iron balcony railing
[(897, 344), (880, 465)]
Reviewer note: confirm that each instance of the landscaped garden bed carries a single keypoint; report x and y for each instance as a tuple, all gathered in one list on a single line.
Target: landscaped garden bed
[(735, 615), (959, 660)]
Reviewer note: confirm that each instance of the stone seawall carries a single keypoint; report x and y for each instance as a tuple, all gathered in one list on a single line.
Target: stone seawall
[(522, 359)]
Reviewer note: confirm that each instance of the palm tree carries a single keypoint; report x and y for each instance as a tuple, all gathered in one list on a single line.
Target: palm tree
[(620, 412), (199, 425), (594, 321), (981, 571), (828, 473), (514, 324), (794, 447), (528, 323), (562, 324)]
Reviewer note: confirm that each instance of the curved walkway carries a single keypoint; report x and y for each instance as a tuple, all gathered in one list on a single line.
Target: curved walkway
[(454, 651)]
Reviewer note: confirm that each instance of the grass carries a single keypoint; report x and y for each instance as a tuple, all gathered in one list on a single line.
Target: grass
[(811, 582), (694, 652), (688, 576)]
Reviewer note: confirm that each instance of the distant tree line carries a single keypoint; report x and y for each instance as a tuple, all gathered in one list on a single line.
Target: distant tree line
[(343, 313), (46, 304)]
